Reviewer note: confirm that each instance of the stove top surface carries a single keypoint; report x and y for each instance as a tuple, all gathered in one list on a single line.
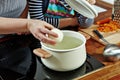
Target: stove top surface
[(43, 73)]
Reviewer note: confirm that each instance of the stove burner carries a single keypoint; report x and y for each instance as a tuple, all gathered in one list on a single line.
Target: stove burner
[(43, 73)]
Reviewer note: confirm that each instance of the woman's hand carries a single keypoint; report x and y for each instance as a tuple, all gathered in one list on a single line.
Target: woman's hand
[(65, 22), (40, 29)]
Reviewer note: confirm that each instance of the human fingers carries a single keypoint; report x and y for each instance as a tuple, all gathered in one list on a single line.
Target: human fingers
[(48, 32), (43, 38), (46, 29), (40, 29), (48, 26)]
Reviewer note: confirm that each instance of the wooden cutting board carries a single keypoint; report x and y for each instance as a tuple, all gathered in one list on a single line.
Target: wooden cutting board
[(112, 37), (110, 72)]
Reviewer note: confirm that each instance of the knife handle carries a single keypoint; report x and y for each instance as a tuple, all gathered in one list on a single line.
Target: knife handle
[(98, 34)]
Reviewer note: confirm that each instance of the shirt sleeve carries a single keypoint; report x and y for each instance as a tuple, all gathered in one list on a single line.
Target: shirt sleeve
[(36, 12)]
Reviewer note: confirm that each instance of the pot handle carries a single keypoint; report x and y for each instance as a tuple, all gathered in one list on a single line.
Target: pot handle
[(41, 53)]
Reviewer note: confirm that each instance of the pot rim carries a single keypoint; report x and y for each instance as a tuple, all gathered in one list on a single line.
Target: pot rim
[(66, 50)]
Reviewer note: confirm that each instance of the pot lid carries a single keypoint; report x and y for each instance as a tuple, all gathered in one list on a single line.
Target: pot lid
[(83, 7)]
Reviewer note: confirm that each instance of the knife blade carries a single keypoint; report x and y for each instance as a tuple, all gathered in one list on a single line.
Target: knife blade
[(100, 36)]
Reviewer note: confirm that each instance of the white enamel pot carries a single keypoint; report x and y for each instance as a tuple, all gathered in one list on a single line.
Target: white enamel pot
[(64, 60)]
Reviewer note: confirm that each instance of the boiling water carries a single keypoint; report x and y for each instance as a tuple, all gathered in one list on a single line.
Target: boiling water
[(68, 42)]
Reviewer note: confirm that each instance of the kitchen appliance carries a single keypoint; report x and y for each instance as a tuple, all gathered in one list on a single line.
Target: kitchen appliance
[(83, 7), (67, 55), (116, 11), (44, 73)]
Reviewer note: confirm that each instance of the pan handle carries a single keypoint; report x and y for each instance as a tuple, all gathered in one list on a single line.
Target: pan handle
[(42, 53), (98, 34)]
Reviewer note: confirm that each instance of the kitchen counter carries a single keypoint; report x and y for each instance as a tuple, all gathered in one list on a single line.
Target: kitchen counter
[(111, 70)]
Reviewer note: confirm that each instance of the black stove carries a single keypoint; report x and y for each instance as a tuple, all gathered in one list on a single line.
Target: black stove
[(43, 73)]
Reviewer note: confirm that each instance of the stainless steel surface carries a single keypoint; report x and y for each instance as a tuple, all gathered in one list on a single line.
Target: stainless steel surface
[(111, 51), (116, 11)]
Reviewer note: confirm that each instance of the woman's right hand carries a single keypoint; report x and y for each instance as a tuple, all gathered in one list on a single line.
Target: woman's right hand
[(40, 29), (65, 22)]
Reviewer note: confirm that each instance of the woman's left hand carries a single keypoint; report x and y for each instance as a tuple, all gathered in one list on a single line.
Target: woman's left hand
[(39, 29)]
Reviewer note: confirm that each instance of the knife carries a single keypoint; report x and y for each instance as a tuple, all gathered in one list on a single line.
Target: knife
[(100, 36)]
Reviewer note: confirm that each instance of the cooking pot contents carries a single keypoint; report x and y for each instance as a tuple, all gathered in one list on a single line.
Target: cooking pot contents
[(67, 55), (111, 51), (59, 33), (68, 42)]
